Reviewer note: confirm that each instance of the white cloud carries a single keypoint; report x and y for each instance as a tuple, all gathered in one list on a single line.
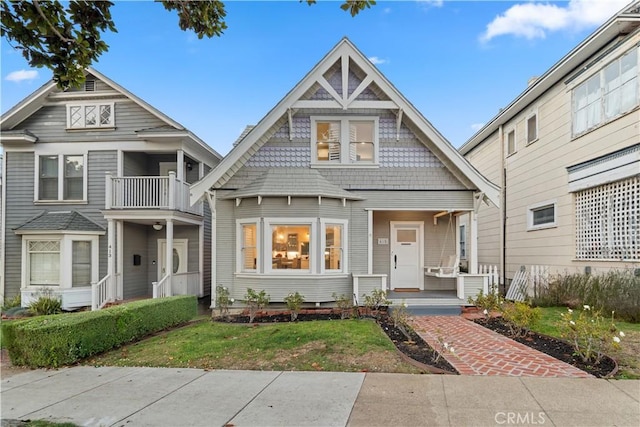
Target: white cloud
[(476, 126), (426, 4), (22, 75), (535, 20), (377, 61)]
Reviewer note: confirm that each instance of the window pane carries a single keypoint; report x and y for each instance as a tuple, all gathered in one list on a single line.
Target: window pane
[(74, 177), (532, 128), (511, 142), (81, 263), (407, 236), (76, 117), (249, 252), (333, 249), (328, 141), (361, 142), (44, 263), (545, 215), (105, 114), (48, 185), (90, 115), (289, 242)]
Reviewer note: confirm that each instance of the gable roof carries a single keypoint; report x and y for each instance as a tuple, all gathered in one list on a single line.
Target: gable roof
[(345, 52), (624, 22), (60, 221), (32, 103)]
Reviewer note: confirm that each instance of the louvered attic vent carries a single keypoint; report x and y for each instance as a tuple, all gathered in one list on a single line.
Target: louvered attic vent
[(90, 86)]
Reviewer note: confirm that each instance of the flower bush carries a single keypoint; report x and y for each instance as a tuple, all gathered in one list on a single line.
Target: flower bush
[(589, 333), (256, 301), (46, 303), (223, 300), (400, 317), (375, 301), (294, 303), (487, 303), (345, 305)]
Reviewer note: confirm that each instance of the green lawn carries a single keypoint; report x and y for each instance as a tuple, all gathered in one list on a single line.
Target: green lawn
[(332, 345)]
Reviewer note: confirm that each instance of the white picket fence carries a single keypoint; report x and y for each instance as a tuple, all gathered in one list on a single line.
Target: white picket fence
[(528, 283), (494, 278)]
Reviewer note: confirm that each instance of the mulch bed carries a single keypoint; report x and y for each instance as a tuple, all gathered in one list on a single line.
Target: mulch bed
[(554, 347), (414, 348)]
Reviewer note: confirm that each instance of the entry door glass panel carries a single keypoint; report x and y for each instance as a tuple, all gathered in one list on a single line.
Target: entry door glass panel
[(178, 260)]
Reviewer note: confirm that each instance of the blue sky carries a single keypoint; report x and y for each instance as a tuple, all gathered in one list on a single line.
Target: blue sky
[(458, 62)]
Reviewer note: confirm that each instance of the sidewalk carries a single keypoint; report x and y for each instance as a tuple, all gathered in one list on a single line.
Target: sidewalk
[(112, 396)]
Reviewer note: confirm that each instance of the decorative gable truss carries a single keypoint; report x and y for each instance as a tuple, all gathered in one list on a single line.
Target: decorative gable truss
[(344, 80)]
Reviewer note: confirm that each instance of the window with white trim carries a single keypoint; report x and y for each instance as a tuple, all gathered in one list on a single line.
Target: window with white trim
[(609, 93), (64, 261), (90, 115), (608, 221), (541, 215), (61, 177), (291, 245), (333, 243), (532, 128), (511, 142), (463, 242), (344, 141)]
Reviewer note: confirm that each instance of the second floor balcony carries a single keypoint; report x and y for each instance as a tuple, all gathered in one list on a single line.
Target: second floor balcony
[(149, 192)]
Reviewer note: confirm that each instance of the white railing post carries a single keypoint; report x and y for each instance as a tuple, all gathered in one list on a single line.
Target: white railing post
[(172, 190), (155, 289), (108, 190), (94, 296)]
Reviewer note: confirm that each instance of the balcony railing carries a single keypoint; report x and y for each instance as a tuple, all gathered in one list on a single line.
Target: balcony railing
[(149, 192)]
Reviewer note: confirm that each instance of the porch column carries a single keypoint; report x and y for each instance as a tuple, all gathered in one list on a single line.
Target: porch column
[(180, 165), (169, 255), (111, 260), (473, 242), (119, 260), (201, 257), (369, 242)]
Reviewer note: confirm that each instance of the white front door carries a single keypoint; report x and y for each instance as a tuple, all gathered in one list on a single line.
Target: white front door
[(179, 258), (406, 254)]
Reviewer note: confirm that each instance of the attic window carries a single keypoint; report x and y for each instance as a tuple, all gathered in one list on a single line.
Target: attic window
[(89, 115), (90, 86)]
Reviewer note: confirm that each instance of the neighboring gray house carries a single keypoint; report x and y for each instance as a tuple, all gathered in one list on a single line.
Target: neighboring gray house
[(95, 200), (341, 188)]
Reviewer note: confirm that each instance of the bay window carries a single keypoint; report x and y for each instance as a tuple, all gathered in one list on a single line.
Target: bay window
[(61, 261), (291, 245), (344, 141)]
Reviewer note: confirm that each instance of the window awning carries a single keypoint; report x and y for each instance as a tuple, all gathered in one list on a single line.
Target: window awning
[(292, 182), (66, 222), (612, 167)]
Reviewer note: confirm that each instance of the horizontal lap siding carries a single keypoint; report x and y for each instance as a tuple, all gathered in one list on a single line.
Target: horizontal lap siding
[(135, 280), (313, 288)]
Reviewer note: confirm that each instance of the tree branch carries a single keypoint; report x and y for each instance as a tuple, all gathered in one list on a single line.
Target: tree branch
[(36, 4)]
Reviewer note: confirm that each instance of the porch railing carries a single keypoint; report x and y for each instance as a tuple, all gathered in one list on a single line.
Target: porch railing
[(162, 288), (100, 293), (149, 192), (186, 284)]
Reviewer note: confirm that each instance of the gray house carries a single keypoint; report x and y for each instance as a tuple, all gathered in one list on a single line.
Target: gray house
[(95, 198), (344, 187)]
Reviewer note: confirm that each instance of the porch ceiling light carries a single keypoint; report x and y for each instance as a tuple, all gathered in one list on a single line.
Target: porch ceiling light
[(157, 226)]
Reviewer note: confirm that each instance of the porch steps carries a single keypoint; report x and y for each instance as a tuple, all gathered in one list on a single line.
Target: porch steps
[(430, 306)]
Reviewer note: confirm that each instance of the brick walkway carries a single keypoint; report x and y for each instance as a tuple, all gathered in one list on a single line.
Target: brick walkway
[(480, 351)]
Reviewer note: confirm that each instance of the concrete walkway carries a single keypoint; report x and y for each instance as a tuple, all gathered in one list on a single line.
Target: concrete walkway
[(134, 397), (480, 351)]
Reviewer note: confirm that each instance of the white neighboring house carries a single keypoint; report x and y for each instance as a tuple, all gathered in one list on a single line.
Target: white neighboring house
[(95, 201), (566, 153)]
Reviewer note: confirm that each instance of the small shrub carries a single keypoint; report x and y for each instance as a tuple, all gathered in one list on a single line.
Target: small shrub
[(345, 305), (520, 317), (443, 347), (13, 302), (487, 303), (400, 317), (375, 301), (47, 303), (294, 303), (590, 334), (223, 300), (256, 301)]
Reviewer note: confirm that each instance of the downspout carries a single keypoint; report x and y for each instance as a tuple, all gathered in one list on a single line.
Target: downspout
[(503, 212), (211, 199)]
